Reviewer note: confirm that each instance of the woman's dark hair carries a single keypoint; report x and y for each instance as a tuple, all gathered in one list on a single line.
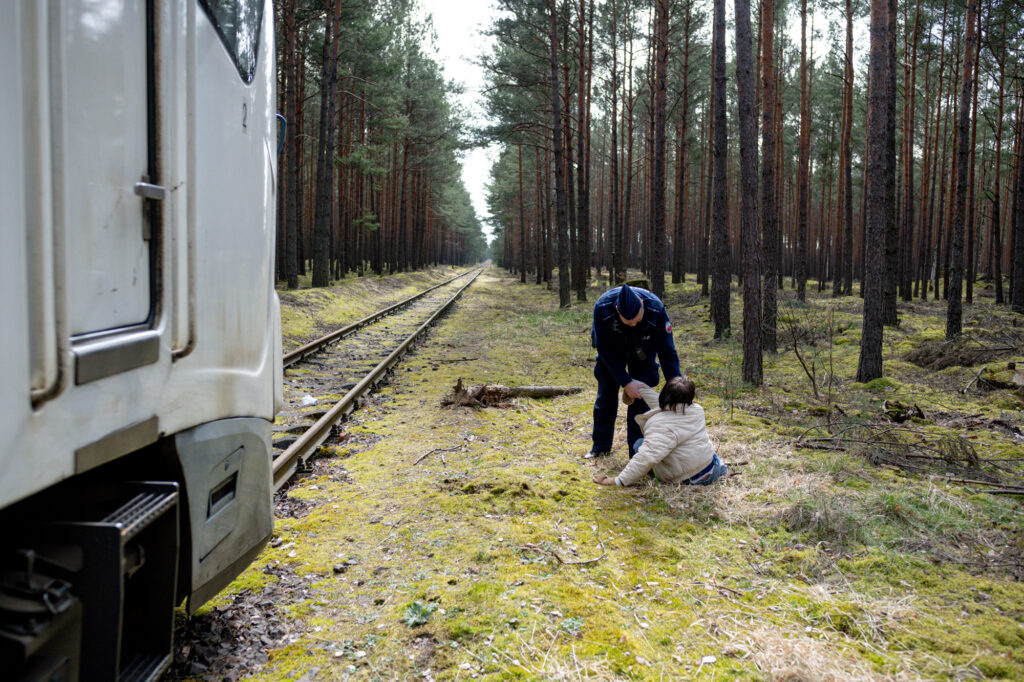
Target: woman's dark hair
[(677, 391)]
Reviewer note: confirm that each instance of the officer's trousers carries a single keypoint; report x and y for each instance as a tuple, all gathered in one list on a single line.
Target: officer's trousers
[(606, 406)]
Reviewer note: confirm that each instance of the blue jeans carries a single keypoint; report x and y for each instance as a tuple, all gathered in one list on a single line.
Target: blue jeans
[(717, 469), (606, 406)]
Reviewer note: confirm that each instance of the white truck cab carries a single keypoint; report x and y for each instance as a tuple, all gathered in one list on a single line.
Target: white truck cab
[(141, 362)]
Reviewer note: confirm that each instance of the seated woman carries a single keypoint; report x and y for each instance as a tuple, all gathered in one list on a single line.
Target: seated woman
[(675, 442)]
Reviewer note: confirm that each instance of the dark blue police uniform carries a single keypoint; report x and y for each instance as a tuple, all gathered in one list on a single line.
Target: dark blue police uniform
[(626, 353)]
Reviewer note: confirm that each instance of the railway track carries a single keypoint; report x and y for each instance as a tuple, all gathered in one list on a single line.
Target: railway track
[(345, 365)]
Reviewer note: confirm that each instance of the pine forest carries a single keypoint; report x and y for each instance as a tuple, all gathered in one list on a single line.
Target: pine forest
[(717, 355)]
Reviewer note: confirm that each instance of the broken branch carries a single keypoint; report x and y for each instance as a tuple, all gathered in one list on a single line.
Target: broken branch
[(971, 481), (430, 452)]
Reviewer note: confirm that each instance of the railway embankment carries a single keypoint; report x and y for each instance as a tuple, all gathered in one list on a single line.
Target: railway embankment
[(437, 543), (308, 313)]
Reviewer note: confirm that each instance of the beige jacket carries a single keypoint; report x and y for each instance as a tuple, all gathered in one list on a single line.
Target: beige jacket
[(676, 443)]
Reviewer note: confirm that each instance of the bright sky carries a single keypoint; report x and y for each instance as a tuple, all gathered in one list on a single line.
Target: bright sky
[(458, 25)]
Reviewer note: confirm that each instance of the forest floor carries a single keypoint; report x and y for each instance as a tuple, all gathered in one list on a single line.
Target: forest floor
[(496, 556)]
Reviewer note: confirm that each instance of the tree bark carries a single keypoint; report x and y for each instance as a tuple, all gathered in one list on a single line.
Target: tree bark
[(954, 310), (293, 213), (800, 270), (582, 135), (995, 225), (657, 264), (910, 97), (325, 155), (769, 216), (561, 219), (892, 234), (969, 267), (682, 161), (707, 190), (522, 217), (752, 362), (879, 185), (617, 271), (720, 239), (1017, 290)]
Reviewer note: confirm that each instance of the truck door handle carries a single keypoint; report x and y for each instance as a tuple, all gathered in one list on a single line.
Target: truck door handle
[(148, 191)]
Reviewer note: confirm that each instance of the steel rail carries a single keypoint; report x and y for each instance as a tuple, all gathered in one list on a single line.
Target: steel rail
[(302, 352), (287, 462)]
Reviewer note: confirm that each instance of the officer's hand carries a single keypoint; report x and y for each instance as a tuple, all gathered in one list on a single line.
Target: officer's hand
[(632, 389)]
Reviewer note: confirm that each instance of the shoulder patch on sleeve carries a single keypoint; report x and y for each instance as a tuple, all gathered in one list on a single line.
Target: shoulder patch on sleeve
[(668, 327)]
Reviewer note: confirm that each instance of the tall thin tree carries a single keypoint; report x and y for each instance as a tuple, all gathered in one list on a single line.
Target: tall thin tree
[(657, 264), (892, 239), (617, 269), (879, 184), (325, 153), (561, 206), (292, 150), (1017, 283), (954, 312), (751, 239), (995, 224), (769, 216), (803, 181), (720, 275)]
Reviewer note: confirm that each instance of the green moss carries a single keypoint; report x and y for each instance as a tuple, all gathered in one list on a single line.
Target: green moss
[(801, 539), (879, 384)]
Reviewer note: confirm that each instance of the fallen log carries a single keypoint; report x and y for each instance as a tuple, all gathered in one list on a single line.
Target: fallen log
[(541, 391), (497, 395)]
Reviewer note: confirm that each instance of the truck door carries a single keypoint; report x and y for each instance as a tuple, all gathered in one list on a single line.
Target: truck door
[(111, 188)]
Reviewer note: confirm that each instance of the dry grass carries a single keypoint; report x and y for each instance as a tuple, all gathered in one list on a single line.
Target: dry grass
[(766, 572)]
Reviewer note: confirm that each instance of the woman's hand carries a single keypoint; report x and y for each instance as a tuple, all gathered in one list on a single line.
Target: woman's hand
[(602, 479)]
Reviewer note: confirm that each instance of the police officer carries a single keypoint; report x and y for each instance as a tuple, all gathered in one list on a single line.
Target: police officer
[(630, 327)]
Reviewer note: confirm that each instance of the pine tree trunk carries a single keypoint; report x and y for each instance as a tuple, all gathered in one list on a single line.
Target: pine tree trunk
[(971, 208), (541, 210), (995, 225), (582, 270), (910, 97), (954, 309), (561, 217), (567, 131), (657, 263), (293, 213), (879, 185), (522, 218), (1017, 283), (892, 235), (682, 161), (841, 248), (752, 363), (769, 215), (325, 155), (720, 240), (707, 189), (800, 271), (617, 270), (628, 240)]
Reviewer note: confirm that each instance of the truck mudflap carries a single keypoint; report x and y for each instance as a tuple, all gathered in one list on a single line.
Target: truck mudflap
[(228, 488)]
